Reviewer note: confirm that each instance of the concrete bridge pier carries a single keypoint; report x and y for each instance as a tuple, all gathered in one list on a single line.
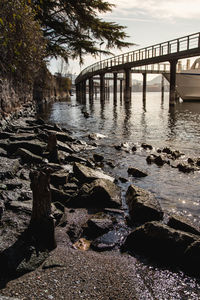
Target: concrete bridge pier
[(102, 87), (127, 84), (91, 89), (144, 86), (115, 86), (172, 91)]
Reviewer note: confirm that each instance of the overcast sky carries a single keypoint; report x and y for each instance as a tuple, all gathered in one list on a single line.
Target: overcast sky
[(149, 22)]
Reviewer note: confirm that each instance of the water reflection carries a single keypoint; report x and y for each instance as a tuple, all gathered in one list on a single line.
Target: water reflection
[(137, 121)]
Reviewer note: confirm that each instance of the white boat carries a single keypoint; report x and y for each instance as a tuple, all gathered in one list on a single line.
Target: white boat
[(188, 82)]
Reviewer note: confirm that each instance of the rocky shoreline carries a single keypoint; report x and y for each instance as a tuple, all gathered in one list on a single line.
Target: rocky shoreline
[(86, 204)]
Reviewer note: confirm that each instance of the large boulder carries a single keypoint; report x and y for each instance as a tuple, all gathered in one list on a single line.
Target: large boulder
[(136, 172), (86, 174), (143, 206), (181, 223), (97, 226), (100, 193), (160, 242)]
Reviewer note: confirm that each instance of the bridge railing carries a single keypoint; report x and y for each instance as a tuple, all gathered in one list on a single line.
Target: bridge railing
[(173, 46)]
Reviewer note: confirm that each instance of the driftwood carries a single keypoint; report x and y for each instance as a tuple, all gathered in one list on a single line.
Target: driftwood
[(42, 223)]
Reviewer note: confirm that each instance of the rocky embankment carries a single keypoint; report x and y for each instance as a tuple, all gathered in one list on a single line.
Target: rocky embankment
[(86, 203)]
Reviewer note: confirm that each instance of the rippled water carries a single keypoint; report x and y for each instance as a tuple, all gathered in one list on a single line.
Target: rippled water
[(135, 122), (154, 123)]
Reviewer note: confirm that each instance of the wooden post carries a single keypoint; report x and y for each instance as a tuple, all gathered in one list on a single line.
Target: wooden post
[(42, 223), (172, 94), (52, 149), (121, 85)]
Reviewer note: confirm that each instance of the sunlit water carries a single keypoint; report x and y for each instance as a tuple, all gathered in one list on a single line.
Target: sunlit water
[(135, 122), (156, 124)]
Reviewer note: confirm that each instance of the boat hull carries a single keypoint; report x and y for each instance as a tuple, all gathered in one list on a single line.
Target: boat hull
[(187, 86)]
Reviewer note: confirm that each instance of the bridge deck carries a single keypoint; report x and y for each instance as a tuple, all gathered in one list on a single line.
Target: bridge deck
[(187, 46)]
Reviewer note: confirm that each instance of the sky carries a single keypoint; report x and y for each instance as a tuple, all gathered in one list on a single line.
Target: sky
[(147, 22)]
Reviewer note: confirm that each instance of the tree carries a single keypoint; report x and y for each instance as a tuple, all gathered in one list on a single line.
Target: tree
[(73, 28), (22, 46)]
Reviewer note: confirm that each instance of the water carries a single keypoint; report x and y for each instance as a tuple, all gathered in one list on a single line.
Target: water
[(135, 122), (155, 124)]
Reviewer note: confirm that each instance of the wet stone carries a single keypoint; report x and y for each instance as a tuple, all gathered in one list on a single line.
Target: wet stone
[(136, 172), (185, 168), (109, 240), (28, 157), (86, 174), (146, 146), (143, 206), (181, 223), (97, 226), (98, 157)]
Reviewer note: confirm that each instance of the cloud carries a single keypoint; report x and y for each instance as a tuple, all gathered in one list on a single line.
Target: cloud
[(157, 9)]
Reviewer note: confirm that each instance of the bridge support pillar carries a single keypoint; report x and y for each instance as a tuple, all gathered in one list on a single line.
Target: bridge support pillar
[(121, 85), (83, 91), (144, 86), (102, 87), (162, 88), (115, 87), (91, 89), (172, 92), (128, 84)]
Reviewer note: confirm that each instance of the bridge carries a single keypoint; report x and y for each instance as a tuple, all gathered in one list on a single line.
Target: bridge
[(169, 51)]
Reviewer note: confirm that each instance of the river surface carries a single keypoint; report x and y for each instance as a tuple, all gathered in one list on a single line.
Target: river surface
[(134, 123), (137, 122)]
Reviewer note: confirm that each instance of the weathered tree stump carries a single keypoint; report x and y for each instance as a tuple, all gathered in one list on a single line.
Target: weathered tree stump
[(42, 223), (53, 149)]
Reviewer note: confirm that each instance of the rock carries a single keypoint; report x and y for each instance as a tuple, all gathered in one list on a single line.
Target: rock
[(75, 158), (146, 146), (64, 147), (96, 136), (110, 164), (58, 195), (174, 153), (160, 160), (192, 259), (8, 168), (28, 157), (118, 147), (3, 153), (150, 158), (136, 172), (109, 240), (190, 161), (2, 208), (160, 242), (98, 157), (17, 206), (82, 244), (134, 148), (97, 226), (35, 146), (99, 193), (86, 174), (22, 137), (143, 206), (181, 223), (123, 180), (8, 298), (62, 136), (185, 168), (59, 178), (198, 162)]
